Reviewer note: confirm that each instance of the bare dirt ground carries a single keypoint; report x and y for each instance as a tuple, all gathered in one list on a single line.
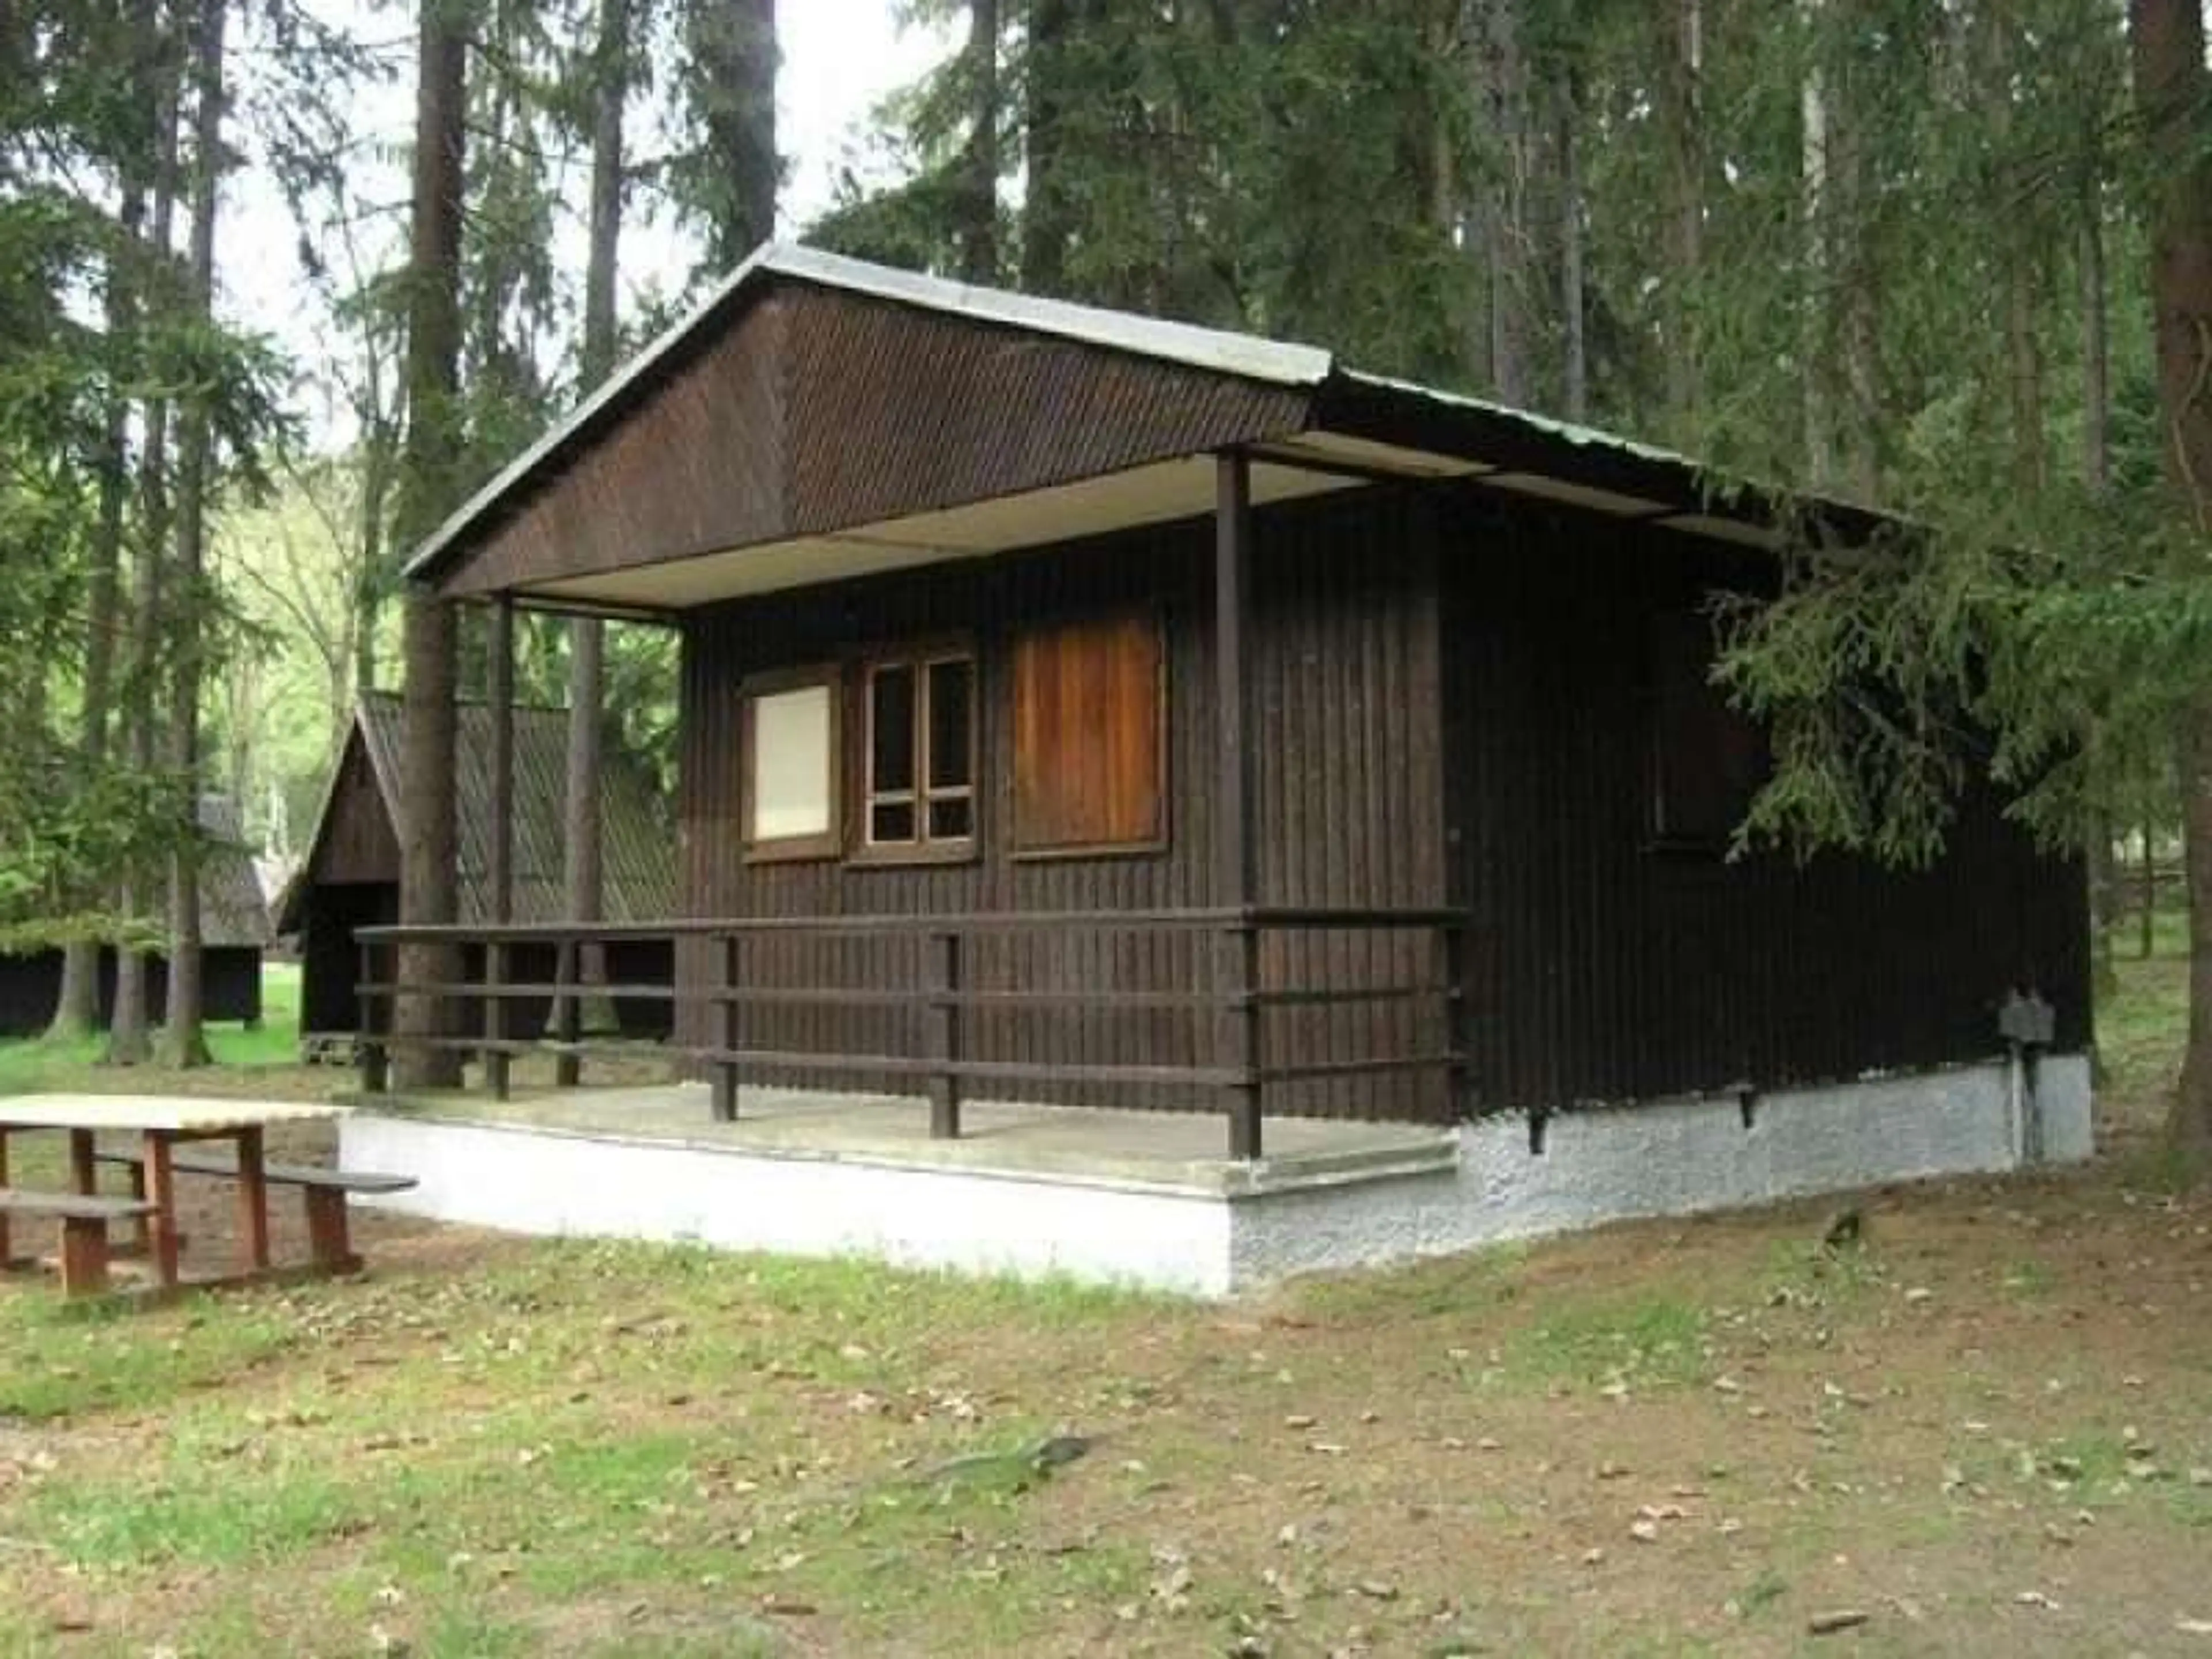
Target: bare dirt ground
[(1986, 1427)]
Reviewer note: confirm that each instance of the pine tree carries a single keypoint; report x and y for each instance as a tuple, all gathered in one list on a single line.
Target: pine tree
[(2173, 97), (429, 831), (184, 1042), (583, 844)]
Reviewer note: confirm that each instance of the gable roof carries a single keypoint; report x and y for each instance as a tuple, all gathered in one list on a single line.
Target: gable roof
[(854, 416), (234, 914), (637, 846)]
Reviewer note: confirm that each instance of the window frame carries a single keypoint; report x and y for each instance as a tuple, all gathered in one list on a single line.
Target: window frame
[(1154, 616), (828, 843), (919, 657)]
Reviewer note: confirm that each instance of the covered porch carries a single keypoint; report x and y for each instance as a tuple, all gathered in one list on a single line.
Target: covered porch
[(1234, 895), (968, 1043)]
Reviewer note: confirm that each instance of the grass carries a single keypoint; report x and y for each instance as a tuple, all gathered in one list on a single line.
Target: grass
[(264, 1058), (1667, 1438)]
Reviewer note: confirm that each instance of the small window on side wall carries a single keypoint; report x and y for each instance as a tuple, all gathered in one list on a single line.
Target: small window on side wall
[(920, 758), (1090, 737), (1707, 759), (789, 743)]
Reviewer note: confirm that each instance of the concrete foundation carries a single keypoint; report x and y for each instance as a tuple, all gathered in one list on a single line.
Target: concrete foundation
[(1146, 1199)]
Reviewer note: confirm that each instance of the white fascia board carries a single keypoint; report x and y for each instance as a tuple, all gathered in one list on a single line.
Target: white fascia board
[(1246, 356)]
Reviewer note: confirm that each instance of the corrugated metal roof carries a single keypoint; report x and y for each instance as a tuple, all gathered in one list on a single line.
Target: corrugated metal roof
[(233, 910), (639, 847), (1595, 437)]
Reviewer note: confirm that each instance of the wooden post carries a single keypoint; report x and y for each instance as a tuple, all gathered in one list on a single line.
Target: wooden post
[(502, 854), (141, 1225), (253, 1201), (84, 1171), (2148, 876), (1457, 1034), (567, 1016), (725, 1017), (495, 1057), (330, 1238), (942, 1023), (84, 1256), (1234, 857), (161, 1192), (374, 1059), (1236, 987)]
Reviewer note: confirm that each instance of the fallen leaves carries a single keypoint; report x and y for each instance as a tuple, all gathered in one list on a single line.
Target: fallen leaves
[(1839, 1619)]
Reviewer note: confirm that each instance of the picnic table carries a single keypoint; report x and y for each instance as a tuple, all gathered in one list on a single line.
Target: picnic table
[(162, 1124)]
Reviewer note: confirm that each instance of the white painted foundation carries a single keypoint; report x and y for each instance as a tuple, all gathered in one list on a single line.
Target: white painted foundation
[(1597, 1165)]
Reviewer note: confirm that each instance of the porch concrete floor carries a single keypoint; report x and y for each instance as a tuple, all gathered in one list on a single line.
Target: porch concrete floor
[(1093, 1145)]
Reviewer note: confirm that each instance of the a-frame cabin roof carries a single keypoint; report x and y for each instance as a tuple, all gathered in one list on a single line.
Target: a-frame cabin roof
[(819, 416), (360, 811)]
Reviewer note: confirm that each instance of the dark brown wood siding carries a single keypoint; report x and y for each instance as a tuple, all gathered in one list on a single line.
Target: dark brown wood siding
[(358, 843), (813, 410), (1350, 790), (697, 469), (1605, 968)]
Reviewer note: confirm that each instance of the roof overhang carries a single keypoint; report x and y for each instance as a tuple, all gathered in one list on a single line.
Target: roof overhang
[(1307, 426)]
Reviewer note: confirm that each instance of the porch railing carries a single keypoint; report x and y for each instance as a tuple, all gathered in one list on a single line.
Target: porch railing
[(1232, 982)]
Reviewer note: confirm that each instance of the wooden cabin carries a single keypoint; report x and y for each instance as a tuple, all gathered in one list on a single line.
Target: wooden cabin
[(350, 877), (234, 932), (1082, 707)]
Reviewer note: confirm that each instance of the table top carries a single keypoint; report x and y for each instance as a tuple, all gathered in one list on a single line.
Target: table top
[(178, 1113)]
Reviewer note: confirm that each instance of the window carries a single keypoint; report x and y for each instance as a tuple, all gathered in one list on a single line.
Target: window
[(1089, 749), (1707, 759), (790, 764), (920, 787)]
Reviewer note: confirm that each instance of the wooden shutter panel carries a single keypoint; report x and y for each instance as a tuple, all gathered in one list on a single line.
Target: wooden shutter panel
[(1089, 756)]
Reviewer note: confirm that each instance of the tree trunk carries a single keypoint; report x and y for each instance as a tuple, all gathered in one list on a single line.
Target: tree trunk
[(2016, 246), (583, 842), (2147, 890), (1048, 212), (1574, 377), (428, 877), (183, 1040), (2096, 347), (735, 41), (610, 98), (979, 209), (1685, 218), (1818, 259), (1855, 295), (369, 597), (76, 1006), (2170, 92), (2097, 473), (128, 1039), (1503, 89)]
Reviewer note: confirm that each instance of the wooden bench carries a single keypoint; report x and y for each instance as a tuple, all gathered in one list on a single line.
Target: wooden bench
[(84, 1217), (330, 1234)]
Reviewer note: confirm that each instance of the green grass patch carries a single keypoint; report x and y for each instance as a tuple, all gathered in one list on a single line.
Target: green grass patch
[(1807, 1271), (1450, 1287), (1653, 1339), (37, 1066), (71, 1359), (2028, 1279)]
